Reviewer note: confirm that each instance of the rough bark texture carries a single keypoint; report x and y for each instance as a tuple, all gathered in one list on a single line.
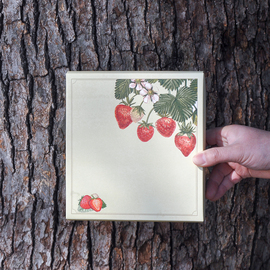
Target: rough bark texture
[(40, 40)]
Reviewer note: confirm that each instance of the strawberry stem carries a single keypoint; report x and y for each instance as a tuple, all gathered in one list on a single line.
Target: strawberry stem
[(149, 115), (128, 101), (134, 96)]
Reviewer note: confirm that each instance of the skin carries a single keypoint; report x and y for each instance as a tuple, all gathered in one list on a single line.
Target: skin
[(237, 152)]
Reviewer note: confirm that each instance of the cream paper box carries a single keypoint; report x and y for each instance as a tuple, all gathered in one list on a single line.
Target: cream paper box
[(130, 139)]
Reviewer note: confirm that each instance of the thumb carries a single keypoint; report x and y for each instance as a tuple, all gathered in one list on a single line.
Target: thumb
[(216, 155)]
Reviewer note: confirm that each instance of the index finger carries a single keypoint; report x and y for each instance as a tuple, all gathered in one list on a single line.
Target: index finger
[(216, 136)]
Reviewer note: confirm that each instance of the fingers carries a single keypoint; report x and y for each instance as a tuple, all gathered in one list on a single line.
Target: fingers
[(225, 176), (219, 136), (224, 153), (216, 155), (265, 174), (222, 178), (214, 136)]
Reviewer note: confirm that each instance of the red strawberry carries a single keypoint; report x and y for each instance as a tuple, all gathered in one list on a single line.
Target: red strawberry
[(122, 115), (145, 132), (166, 126), (185, 143), (84, 202), (96, 204)]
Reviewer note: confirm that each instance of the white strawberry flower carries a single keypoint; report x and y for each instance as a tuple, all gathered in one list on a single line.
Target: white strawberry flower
[(136, 84), (148, 93)]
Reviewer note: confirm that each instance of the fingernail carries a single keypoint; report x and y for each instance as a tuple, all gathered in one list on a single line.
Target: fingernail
[(199, 159)]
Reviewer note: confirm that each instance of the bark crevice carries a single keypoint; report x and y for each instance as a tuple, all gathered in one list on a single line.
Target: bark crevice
[(40, 41)]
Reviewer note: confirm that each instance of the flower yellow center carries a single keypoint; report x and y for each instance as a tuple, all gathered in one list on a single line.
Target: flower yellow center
[(151, 92), (137, 81)]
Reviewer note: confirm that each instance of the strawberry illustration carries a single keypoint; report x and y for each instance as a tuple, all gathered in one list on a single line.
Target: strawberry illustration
[(165, 126), (145, 132), (137, 113), (84, 202), (96, 204), (122, 115), (185, 140)]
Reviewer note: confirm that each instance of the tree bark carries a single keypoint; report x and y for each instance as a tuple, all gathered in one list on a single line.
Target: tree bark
[(40, 41)]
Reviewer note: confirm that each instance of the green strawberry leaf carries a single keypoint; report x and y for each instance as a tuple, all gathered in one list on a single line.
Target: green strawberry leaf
[(163, 106), (80, 209), (151, 80), (122, 89), (80, 200), (171, 84), (193, 85), (194, 117), (187, 96), (103, 204), (180, 107)]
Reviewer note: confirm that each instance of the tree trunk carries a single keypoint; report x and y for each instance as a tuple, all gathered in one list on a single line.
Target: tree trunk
[(40, 42)]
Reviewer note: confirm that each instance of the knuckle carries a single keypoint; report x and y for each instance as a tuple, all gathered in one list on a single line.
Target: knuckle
[(214, 156)]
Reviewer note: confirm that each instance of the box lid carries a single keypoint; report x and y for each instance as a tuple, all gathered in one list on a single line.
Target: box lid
[(127, 157)]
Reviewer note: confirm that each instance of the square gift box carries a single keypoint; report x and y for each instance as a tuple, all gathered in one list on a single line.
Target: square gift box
[(130, 139)]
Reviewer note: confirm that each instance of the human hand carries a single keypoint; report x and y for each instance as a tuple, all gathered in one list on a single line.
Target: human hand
[(241, 152)]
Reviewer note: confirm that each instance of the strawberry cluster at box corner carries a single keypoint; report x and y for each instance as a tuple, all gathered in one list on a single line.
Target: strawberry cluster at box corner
[(176, 108)]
